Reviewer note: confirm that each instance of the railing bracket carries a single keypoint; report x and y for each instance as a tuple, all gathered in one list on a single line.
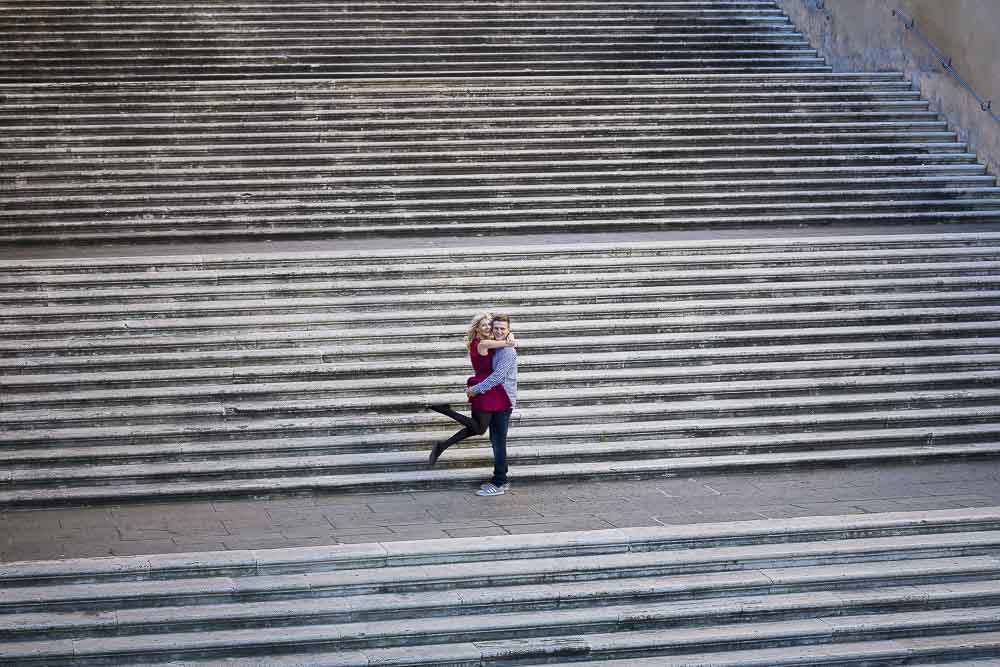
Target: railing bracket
[(946, 62)]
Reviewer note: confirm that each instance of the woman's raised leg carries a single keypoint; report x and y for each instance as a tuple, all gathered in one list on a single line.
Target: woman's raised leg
[(445, 409), (479, 422)]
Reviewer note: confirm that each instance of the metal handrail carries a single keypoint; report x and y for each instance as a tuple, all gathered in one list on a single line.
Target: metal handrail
[(911, 25)]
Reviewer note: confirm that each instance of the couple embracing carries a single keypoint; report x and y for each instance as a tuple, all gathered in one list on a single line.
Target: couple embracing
[(492, 393)]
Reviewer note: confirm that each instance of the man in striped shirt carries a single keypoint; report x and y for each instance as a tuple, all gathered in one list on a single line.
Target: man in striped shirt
[(505, 373)]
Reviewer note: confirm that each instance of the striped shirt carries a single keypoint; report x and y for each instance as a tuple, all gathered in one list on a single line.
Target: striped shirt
[(504, 372)]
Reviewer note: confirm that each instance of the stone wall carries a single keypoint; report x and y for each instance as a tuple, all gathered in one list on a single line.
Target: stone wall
[(864, 35)]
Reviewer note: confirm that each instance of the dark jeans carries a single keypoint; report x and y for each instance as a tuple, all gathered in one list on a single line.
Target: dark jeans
[(499, 424)]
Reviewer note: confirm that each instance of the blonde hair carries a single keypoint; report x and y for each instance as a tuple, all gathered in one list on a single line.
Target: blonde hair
[(474, 325)]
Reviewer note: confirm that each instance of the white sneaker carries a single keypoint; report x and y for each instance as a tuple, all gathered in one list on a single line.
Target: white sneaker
[(490, 489)]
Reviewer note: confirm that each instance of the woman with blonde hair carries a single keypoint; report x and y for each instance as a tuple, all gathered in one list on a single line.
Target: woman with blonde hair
[(479, 341)]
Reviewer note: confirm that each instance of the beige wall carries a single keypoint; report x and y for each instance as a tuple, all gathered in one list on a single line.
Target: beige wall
[(864, 35)]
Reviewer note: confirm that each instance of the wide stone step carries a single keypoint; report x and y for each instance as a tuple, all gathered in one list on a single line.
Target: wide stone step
[(662, 207), (217, 231), (798, 340), (510, 214), (400, 93), (367, 311), (316, 381), (131, 124), (612, 404), (451, 163), (443, 22), (329, 375), (539, 454), (797, 146), (488, 27), (740, 55), (347, 282), (492, 165), (312, 380), (512, 111), (111, 199), (39, 179), (489, 69), (800, 128), (146, 33), (437, 69), (456, 5), (398, 15), (456, 49), (364, 13), (720, 253), (89, 476), (90, 288), (300, 327), (560, 425), (933, 650), (621, 124), (408, 450), (123, 180), (397, 18), (562, 52), (849, 584), (397, 85), (707, 141), (833, 254), (150, 482), (570, 199), (341, 9), (101, 475), (518, 221), (618, 339), (970, 179), (29, 69), (311, 287), (673, 397), (405, 12), (250, 103)]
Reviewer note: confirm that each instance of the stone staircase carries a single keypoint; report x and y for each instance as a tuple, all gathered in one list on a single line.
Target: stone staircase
[(189, 376), (180, 121), (880, 589), (300, 159), (179, 40), (214, 376)]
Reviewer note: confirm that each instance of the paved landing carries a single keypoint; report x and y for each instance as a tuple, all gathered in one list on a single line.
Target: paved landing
[(322, 520)]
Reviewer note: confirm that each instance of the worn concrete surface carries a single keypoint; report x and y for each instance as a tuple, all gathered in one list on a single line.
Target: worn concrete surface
[(176, 527)]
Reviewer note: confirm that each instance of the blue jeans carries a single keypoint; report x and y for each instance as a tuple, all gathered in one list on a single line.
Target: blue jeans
[(498, 438)]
